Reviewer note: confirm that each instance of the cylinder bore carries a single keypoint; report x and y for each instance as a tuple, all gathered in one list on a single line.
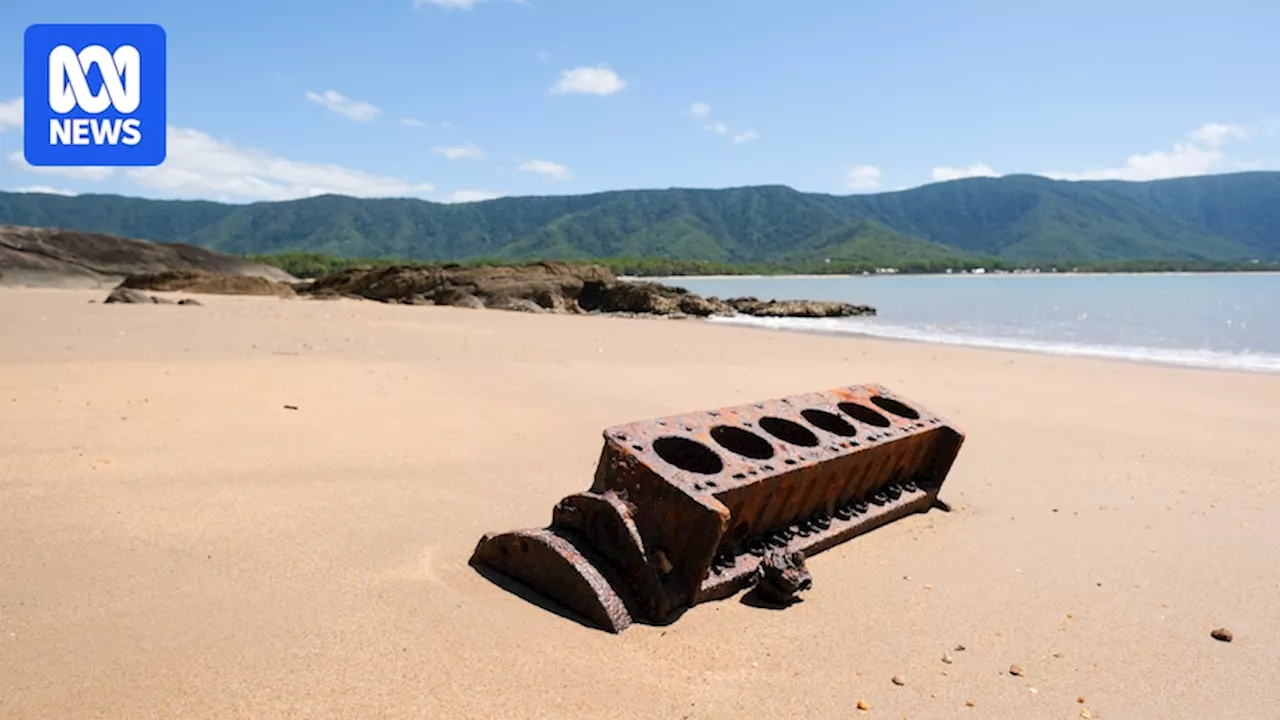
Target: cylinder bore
[(742, 442), (900, 409), (789, 431), (830, 422), (688, 455), (864, 414)]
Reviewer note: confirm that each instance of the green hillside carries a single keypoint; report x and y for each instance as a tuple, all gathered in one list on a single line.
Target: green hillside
[(1020, 218)]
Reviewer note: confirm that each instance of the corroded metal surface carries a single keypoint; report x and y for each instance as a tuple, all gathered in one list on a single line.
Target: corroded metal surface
[(684, 509)]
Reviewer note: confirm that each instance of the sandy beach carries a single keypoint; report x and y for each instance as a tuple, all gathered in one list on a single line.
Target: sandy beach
[(175, 542)]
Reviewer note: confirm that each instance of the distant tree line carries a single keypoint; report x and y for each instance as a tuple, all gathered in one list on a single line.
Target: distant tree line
[(311, 265)]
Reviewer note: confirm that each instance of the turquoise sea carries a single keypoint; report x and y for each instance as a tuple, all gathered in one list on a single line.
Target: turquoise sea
[(1228, 321)]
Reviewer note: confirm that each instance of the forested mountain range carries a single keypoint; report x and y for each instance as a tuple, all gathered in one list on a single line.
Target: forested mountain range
[(1018, 218)]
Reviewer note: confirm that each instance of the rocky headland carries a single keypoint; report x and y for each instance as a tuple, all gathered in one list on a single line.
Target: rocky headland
[(63, 258), (554, 287), (53, 257)]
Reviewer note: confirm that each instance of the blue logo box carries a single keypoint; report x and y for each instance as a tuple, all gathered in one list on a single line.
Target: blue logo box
[(94, 95)]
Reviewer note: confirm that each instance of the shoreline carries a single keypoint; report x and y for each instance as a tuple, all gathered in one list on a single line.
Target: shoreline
[(659, 278), (786, 325), (1026, 351)]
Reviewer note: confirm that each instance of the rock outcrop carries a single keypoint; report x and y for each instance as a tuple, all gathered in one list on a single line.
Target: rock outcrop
[(195, 281), (137, 297), (551, 287), (53, 257), (798, 308)]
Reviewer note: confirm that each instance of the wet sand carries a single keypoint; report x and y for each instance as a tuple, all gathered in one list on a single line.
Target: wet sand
[(174, 542)]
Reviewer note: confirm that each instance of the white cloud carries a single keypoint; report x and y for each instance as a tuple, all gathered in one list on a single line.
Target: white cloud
[(459, 152), (79, 173), (412, 122), (588, 81), (978, 169), (553, 170), (1202, 155), (351, 109), (201, 166), (1214, 134), (11, 114), (46, 190), (703, 110), (864, 177), (1185, 159), (466, 196), (543, 55)]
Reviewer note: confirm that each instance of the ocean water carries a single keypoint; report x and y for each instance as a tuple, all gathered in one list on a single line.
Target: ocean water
[(1226, 321)]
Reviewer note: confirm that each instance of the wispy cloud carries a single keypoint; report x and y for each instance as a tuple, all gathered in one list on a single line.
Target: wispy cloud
[(11, 114), (351, 109), (412, 122), (199, 165), (588, 81), (702, 109), (45, 190), (1202, 154), (942, 173), (466, 196), (79, 173), (459, 152), (863, 178), (553, 170)]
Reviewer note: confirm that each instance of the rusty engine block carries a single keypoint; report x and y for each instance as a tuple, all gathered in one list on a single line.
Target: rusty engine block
[(699, 506)]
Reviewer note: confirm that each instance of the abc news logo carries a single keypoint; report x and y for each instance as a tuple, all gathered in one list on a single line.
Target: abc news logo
[(69, 89), (94, 95)]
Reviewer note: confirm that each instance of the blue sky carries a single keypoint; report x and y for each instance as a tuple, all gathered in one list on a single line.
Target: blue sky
[(453, 100)]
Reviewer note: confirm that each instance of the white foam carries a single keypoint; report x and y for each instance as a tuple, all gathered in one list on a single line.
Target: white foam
[(1187, 357)]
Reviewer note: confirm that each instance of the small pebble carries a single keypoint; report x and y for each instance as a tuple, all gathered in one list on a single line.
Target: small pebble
[(959, 648), (1015, 671), (1084, 713), (1222, 634), (898, 680), (863, 705), (1080, 700), (969, 703), (947, 659)]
